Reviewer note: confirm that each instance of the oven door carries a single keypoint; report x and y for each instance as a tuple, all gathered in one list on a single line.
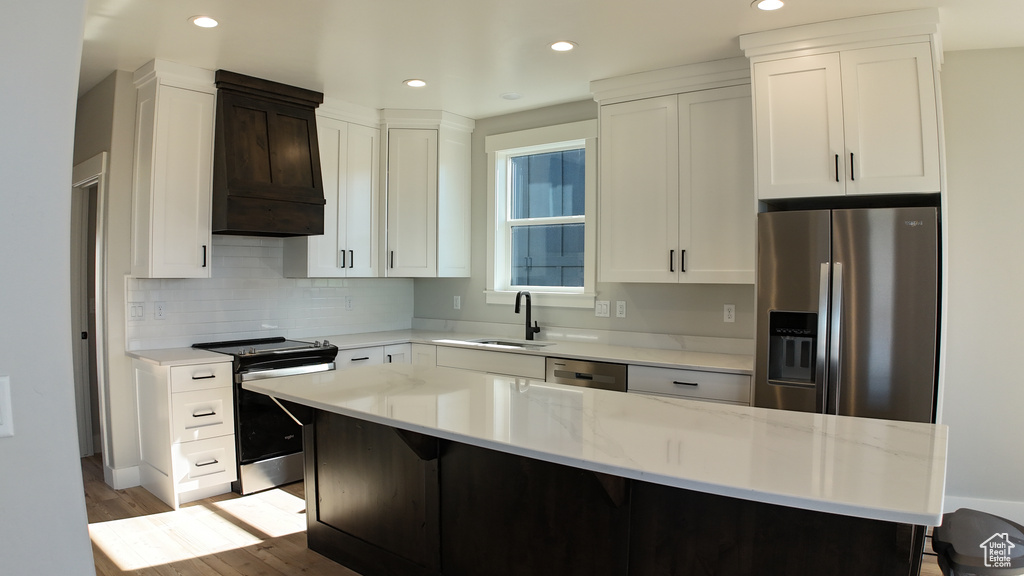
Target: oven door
[(263, 429)]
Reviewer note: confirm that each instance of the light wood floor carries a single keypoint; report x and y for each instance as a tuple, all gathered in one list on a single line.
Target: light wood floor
[(229, 535)]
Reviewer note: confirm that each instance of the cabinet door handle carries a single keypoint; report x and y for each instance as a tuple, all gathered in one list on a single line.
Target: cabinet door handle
[(210, 463), (694, 384), (351, 259), (851, 167), (207, 377), (682, 260), (837, 167), (392, 259), (204, 255), (361, 359), (671, 260), (204, 414), (389, 358), (343, 264)]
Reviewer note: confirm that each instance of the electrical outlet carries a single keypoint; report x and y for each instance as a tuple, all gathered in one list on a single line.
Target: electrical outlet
[(620, 308), (457, 303), (348, 303), (160, 310), (601, 309), (6, 421), (729, 313)]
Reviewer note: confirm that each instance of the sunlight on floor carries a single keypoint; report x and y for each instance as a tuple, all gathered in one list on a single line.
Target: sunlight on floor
[(199, 530)]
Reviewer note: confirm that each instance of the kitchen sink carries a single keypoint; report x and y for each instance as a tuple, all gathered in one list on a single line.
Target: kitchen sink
[(509, 343)]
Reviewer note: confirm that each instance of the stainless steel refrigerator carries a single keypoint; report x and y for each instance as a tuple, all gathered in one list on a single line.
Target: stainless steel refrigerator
[(847, 312)]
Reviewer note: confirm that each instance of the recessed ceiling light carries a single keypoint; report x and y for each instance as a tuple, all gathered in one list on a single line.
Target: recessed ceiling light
[(767, 4), (511, 95), (563, 46), (203, 21), (415, 83)]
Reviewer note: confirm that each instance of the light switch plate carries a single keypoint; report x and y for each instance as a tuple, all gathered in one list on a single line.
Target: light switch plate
[(6, 421), (601, 308)]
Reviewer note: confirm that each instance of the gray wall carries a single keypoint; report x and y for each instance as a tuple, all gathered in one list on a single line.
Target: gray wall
[(983, 399), (105, 122), (658, 308), (42, 503)]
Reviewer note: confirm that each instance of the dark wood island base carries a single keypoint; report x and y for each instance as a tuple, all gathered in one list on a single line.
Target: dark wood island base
[(389, 502)]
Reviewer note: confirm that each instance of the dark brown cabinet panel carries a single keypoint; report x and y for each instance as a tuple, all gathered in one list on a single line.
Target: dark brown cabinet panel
[(375, 507), (267, 177), (512, 515)]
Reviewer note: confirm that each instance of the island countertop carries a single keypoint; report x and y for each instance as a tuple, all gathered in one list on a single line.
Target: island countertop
[(876, 469)]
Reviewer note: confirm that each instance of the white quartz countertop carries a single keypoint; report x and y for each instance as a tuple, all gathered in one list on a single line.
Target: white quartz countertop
[(878, 469), (664, 358)]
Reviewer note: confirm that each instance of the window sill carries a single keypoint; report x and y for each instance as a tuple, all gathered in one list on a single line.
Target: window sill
[(546, 299)]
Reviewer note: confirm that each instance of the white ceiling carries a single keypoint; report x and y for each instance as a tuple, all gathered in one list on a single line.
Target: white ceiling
[(472, 51)]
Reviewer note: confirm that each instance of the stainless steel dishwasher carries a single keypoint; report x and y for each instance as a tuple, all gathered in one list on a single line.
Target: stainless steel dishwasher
[(603, 375)]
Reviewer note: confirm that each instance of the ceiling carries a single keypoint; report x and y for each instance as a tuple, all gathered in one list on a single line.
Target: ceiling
[(472, 51)]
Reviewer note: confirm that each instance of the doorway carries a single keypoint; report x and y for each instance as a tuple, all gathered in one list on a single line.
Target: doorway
[(87, 279)]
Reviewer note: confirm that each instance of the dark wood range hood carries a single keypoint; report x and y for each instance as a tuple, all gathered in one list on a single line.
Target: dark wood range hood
[(266, 175)]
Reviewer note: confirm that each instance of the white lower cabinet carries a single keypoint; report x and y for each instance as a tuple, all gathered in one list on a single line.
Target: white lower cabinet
[(186, 430), (398, 354), (504, 363), (355, 357), (693, 384), (425, 354)]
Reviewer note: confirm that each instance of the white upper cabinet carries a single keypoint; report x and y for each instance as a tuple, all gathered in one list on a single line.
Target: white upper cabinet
[(172, 189), (856, 116), (427, 199), (677, 192), (412, 203), (349, 161)]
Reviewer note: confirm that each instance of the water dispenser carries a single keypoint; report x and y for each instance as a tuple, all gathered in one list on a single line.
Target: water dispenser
[(792, 346)]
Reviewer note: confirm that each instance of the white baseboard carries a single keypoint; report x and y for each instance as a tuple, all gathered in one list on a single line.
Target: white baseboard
[(1003, 508), (121, 478)]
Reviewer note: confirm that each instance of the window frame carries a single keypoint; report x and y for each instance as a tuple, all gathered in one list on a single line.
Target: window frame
[(499, 148)]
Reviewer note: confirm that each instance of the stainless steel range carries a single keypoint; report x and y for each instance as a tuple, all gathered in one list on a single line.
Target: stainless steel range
[(268, 432)]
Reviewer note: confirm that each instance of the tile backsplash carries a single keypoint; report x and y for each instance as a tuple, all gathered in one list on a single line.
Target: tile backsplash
[(248, 297)]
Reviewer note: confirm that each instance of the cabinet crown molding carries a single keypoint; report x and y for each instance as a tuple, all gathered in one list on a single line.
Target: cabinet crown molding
[(181, 75), (675, 80), (406, 118), (839, 34)]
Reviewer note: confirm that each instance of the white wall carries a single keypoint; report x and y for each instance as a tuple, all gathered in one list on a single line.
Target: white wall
[(983, 402), (650, 308), (42, 504)]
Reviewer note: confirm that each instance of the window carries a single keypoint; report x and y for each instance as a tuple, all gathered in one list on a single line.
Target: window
[(542, 196)]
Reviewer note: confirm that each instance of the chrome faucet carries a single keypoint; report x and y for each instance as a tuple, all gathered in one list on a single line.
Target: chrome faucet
[(530, 330)]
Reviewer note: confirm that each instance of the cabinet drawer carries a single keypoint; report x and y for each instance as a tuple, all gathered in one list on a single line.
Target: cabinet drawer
[(201, 414), (356, 357), (200, 377), (524, 365), (204, 463), (695, 384)]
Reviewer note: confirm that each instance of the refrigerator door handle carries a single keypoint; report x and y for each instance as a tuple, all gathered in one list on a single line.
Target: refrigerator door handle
[(821, 356), (835, 337)]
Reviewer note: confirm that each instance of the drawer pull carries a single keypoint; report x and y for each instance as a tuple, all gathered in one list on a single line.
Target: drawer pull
[(204, 414), (210, 463), (360, 359), (694, 384), (206, 377)]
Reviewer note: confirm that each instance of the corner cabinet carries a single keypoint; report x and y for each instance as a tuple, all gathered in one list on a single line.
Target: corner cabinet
[(846, 119), (186, 430), (677, 190), (427, 199), (173, 172), (348, 248)]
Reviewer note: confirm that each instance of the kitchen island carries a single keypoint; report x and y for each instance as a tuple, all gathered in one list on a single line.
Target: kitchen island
[(426, 470)]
